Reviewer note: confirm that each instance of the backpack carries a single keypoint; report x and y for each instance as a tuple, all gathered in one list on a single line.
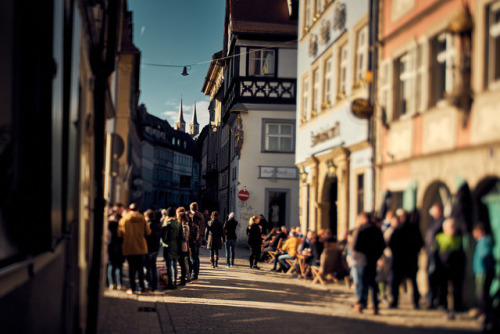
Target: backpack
[(194, 233)]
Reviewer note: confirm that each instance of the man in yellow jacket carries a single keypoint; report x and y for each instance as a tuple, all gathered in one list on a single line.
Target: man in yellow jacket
[(134, 229), (290, 250)]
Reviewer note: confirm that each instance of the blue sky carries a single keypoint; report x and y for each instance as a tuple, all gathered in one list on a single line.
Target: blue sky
[(176, 32)]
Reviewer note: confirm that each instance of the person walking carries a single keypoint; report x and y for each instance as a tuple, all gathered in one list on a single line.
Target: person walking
[(184, 255), (370, 242), (133, 229), (171, 240), (215, 238), (153, 241), (254, 241), (230, 234), (197, 219)]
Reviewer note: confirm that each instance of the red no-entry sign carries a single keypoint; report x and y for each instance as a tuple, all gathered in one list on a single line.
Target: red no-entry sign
[(243, 195)]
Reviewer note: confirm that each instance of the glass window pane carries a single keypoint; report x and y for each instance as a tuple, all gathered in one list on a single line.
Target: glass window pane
[(268, 62), (272, 143), (273, 129), (286, 129), (286, 144)]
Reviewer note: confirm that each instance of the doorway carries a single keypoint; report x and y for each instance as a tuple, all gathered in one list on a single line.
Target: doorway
[(277, 207)]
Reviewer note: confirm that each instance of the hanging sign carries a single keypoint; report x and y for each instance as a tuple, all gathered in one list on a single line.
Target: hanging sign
[(362, 108)]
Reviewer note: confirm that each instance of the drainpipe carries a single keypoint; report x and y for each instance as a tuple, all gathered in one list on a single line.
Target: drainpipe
[(316, 195), (373, 66)]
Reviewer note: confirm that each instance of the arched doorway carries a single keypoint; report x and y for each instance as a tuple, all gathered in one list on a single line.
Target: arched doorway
[(487, 186), (330, 196), (437, 193)]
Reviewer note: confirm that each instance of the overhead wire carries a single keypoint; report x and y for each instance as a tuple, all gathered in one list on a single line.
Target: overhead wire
[(222, 58)]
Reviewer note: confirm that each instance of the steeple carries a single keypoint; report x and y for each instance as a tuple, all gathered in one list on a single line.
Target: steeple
[(194, 127), (180, 124)]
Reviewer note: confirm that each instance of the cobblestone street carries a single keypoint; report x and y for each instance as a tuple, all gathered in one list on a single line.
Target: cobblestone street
[(244, 300)]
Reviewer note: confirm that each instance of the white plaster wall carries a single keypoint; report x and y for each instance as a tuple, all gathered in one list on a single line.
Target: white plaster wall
[(248, 171), (352, 129), (287, 63)]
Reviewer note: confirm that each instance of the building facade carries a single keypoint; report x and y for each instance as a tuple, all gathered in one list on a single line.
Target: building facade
[(438, 88), (254, 94), (169, 164), (333, 151)]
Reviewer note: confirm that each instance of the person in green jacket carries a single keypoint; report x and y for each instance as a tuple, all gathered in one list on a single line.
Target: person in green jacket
[(171, 240)]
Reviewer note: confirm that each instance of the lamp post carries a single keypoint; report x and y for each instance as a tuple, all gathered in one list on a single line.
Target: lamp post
[(303, 175)]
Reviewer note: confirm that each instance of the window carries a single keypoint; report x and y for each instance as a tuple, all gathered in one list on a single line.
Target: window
[(360, 193), (261, 62), (307, 14), (442, 74), (342, 72), (403, 66), (315, 94), (493, 45), (305, 99), (361, 54), (327, 81), (278, 136), (318, 7)]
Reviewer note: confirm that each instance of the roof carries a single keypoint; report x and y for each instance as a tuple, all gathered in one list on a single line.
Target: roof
[(262, 17), (146, 119), (195, 118)]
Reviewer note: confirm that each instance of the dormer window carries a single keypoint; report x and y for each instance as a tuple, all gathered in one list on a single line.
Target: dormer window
[(261, 62)]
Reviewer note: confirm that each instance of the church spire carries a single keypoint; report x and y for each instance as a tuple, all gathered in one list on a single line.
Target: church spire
[(180, 124), (194, 127)]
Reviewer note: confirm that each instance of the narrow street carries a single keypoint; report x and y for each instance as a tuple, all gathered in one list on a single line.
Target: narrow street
[(243, 300)]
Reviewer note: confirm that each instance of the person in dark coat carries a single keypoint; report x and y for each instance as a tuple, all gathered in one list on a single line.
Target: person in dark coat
[(230, 234), (370, 242), (436, 227), (214, 233), (405, 244), (115, 255), (264, 225), (153, 241), (254, 241)]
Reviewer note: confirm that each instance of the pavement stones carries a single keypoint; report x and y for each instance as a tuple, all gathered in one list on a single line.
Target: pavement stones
[(244, 300)]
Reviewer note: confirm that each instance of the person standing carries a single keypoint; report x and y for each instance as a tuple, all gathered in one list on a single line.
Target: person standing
[(450, 263), (405, 243), (153, 241), (215, 238), (133, 229), (254, 241), (436, 213), (115, 254), (483, 266), (369, 241), (196, 239), (230, 233), (171, 240)]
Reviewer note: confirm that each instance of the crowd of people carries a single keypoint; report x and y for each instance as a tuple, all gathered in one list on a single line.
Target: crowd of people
[(383, 254), (378, 255)]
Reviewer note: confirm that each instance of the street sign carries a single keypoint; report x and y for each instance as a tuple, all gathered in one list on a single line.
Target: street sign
[(243, 195)]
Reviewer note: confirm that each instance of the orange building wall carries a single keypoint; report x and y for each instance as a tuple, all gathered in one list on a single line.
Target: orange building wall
[(415, 30)]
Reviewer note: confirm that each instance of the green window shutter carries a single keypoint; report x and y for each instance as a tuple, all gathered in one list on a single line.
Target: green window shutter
[(410, 197)]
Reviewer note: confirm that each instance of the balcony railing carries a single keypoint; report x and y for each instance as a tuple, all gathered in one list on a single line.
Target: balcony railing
[(259, 90)]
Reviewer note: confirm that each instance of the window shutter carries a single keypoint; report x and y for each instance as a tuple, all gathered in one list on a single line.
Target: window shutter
[(386, 87), (422, 79)]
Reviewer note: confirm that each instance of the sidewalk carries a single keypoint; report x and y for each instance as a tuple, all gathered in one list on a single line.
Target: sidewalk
[(244, 300)]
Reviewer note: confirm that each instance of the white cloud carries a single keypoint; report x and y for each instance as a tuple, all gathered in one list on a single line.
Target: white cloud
[(143, 29), (170, 116)]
